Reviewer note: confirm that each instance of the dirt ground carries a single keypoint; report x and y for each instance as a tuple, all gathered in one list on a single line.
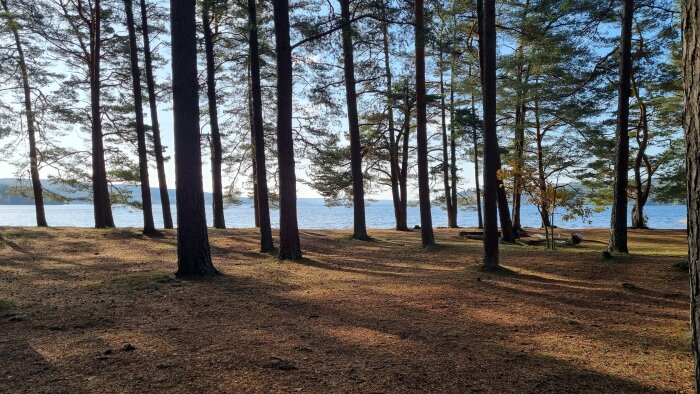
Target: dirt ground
[(85, 310)]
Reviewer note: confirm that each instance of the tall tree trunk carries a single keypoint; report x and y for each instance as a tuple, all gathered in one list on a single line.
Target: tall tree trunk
[(155, 124), (426, 220), (147, 207), (251, 118), (618, 225), (358, 190), (691, 74), (475, 142), (290, 246), (451, 212), (194, 256), (487, 45), (394, 168), (507, 232), (520, 120), (100, 188), (641, 187), (541, 176), (216, 150), (453, 147), (403, 175), (31, 121), (261, 191)]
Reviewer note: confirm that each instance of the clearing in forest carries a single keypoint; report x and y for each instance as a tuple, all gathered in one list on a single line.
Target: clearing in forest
[(85, 310)]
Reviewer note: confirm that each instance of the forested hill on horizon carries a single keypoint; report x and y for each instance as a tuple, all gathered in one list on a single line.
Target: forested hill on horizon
[(14, 192)]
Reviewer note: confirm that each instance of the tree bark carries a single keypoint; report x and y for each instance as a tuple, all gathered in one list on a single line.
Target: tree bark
[(37, 189), (216, 150), (100, 189), (147, 207), (618, 225), (691, 73), (194, 256), (451, 212), (290, 246), (641, 187), (520, 120), (453, 148), (358, 191), (394, 168), (477, 175), (541, 176), (261, 190), (403, 174), (487, 45), (426, 220), (155, 124)]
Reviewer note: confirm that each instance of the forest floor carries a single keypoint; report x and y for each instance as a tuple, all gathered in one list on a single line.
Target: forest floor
[(85, 310)]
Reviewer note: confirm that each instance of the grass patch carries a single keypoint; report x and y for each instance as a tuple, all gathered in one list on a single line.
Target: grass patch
[(6, 306)]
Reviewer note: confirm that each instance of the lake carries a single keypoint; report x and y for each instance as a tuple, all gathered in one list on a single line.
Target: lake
[(313, 214)]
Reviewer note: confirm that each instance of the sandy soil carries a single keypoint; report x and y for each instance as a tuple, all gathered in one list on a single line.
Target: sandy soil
[(84, 310)]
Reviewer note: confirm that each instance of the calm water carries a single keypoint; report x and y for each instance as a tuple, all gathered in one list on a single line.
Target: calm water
[(313, 214)]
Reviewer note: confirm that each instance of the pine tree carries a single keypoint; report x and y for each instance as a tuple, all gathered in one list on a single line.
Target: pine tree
[(290, 246), (691, 65), (194, 256)]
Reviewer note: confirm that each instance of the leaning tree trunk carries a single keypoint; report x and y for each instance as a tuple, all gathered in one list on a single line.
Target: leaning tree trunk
[(261, 191), (290, 246), (216, 150), (146, 205), (426, 220), (487, 50), (194, 256), (691, 74), (31, 121), (155, 125), (358, 190), (100, 189), (618, 224)]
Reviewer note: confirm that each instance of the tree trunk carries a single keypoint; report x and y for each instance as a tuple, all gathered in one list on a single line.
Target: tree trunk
[(544, 204), (453, 148), (147, 207), (403, 175), (261, 191), (641, 187), (487, 45), (31, 121), (290, 246), (507, 232), (216, 150), (194, 256), (100, 189), (618, 225), (251, 119), (451, 217), (475, 142), (394, 168), (426, 220), (358, 191), (155, 125), (520, 120), (691, 73)]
